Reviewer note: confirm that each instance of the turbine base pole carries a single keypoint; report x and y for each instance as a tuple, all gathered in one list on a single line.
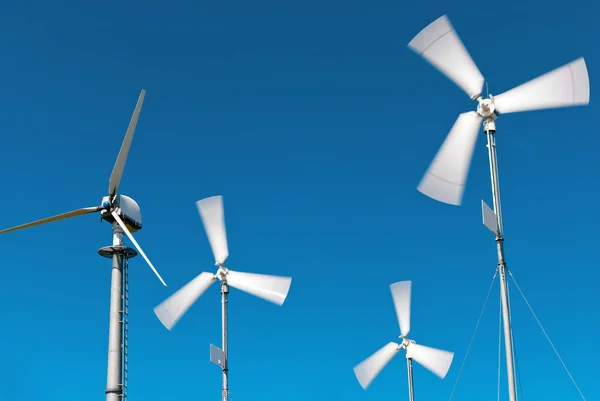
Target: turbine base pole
[(225, 367), (411, 389), (117, 352), (490, 130)]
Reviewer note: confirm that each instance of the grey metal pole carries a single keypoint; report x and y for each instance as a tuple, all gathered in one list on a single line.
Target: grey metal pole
[(225, 367), (115, 360), (411, 390), (508, 345)]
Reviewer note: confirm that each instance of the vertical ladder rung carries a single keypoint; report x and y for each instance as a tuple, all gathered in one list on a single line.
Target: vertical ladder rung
[(125, 330)]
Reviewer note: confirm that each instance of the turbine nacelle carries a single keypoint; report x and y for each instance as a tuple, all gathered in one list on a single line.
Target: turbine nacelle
[(127, 209)]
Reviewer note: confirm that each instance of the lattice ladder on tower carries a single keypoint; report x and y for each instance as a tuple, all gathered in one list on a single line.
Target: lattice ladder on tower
[(124, 325)]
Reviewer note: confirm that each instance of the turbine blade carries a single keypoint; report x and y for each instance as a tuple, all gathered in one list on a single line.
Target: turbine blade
[(173, 308), (447, 174), (565, 86), (401, 296), (78, 212), (367, 370), (270, 288), (213, 218), (435, 360), (115, 177), (137, 246), (439, 44)]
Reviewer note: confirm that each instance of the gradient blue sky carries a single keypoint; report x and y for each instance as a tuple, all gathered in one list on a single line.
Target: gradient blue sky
[(316, 123)]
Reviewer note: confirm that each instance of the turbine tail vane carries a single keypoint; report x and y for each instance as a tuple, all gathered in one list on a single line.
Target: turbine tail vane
[(490, 220)]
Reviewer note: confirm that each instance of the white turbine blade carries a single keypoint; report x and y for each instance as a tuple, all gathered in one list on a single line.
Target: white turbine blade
[(439, 44), (367, 370), (401, 296), (115, 177), (447, 174), (137, 246), (78, 212), (173, 308), (565, 86), (435, 360), (270, 288), (213, 217)]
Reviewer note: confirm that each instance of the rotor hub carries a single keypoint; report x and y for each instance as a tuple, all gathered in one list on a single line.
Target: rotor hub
[(487, 109), (222, 273)]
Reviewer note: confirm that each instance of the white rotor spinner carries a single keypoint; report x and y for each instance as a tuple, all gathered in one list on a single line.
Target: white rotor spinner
[(487, 110), (406, 342)]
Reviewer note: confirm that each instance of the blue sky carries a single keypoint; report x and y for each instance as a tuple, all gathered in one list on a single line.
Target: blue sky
[(316, 123)]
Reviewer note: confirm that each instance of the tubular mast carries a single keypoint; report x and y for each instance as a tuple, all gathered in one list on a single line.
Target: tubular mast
[(117, 372), (490, 130), (225, 367), (411, 389)]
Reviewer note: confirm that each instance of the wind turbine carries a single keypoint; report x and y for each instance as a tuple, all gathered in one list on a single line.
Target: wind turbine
[(435, 360), (125, 216), (270, 288), (439, 44)]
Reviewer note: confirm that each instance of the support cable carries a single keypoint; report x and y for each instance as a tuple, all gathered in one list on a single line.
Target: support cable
[(474, 332), (547, 337)]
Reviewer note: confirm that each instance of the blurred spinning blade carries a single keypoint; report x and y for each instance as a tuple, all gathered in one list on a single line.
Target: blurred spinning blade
[(446, 176), (435, 360), (174, 307), (213, 218), (401, 295), (367, 370), (565, 86), (439, 44), (269, 288)]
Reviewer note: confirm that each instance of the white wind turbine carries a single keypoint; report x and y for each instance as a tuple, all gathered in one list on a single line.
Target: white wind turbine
[(124, 214), (569, 85), (270, 288), (435, 360)]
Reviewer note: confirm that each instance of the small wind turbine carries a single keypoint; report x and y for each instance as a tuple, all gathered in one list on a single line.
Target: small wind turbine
[(125, 216), (569, 85), (435, 360), (270, 288)]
